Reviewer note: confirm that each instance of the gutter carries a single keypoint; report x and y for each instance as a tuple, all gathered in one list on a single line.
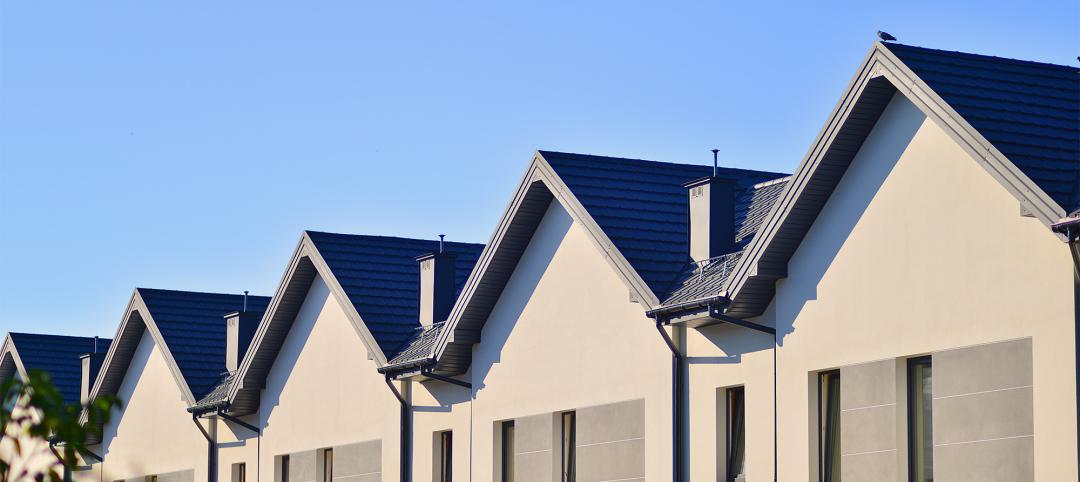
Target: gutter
[(211, 451), (406, 429), (679, 382)]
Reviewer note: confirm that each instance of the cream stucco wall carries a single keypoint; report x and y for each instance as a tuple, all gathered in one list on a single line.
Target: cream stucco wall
[(918, 250), (153, 434), (322, 391), (564, 335)]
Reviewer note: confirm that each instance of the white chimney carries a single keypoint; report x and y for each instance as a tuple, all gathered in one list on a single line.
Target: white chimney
[(712, 217), (239, 330), (436, 287)]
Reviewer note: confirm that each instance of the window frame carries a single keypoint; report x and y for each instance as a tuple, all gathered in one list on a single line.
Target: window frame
[(445, 451), (916, 432), (828, 410), (506, 455), (733, 395), (568, 446)]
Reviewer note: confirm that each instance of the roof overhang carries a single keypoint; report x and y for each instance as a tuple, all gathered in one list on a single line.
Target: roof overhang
[(539, 186), (881, 74), (305, 264)]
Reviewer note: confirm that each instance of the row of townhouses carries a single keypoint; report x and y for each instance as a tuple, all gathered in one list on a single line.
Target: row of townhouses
[(901, 307)]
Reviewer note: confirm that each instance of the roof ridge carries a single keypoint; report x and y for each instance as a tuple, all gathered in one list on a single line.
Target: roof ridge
[(649, 161), (401, 238), (995, 58), (165, 290)]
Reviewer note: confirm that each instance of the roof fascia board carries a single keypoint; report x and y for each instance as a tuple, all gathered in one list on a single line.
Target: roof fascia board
[(540, 171), (9, 349), (780, 210), (1033, 199), (136, 305), (882, 62), (305, 249)]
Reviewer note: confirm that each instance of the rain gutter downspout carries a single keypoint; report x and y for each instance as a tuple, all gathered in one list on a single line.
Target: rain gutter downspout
[(406, 428), (211, 451), (1070, 228), (677, 390)]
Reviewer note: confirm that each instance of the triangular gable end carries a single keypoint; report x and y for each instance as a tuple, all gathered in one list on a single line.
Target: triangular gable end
[(307, 262), (752, 285), (452, 351), (10, 363)]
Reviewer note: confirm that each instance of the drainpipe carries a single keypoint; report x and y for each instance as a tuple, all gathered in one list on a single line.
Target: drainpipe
[(406, 429), (211, 451), (677, 390), (1070, 228)]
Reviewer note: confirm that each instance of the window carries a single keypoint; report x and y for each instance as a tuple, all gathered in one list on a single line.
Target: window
[(444, 453), (326, 459), (569, 447), (150, 478), (283, 469), (920, 420), (508, 451), (829, 426), (736, 434), (239, 472)]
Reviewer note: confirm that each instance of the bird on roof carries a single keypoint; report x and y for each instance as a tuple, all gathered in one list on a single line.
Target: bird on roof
[(885, 37)]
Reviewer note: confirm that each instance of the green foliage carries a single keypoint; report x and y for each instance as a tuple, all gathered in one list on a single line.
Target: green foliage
[(36, 423)]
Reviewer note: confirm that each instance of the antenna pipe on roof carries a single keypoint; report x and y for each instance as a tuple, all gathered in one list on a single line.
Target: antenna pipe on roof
[(714, 152), (95, 344), (245, 301), (441, 236)]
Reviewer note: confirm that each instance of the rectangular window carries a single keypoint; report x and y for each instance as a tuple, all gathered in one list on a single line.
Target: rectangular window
[(508, 451), (327, 460), (444, 468), (736, 434), (150, 478), (829, 426), (569, 447), (239, 472), (920, 420)]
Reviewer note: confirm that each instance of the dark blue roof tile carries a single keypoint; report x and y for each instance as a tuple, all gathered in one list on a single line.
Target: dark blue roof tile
[(59, 357)]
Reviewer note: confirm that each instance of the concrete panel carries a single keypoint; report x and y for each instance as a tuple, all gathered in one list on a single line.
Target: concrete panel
[(302, 466), (981, 416), (533, 467), (357, 460), (533, 433), (622, 460), (981, 368), (869, 467), (1001, 460), (868, 384), (611, 422), (868, 429)]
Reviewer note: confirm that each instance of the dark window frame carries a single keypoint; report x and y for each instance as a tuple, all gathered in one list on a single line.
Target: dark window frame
[(568, 469), (446, 456), (828, 411), (914, 388), (507, 450), (735, 426)]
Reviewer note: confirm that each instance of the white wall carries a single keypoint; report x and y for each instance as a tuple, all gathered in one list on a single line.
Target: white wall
[(563, 336), (323, 391), (154, 433)]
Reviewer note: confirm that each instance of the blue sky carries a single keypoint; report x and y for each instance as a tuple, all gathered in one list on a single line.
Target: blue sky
[(185, 145)]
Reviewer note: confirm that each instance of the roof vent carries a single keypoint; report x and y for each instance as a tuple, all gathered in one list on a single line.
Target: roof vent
[(436, 285), (239, 330), (712, 215)]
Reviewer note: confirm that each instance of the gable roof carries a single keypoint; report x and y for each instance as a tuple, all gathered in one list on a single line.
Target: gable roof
[(993, 108), (1030, 111), (57, 355), (189, 330), (636, 212), (375, 279)]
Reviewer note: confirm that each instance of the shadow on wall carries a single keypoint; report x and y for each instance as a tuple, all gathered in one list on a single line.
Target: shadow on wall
[(872, 165), (318, 296), (136, 368), (519, 290)]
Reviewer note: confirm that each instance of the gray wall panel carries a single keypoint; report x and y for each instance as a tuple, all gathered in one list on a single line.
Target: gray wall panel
[(302, 466), (534, 459), (983, 413), (611, 441), (868, 421), (358, 461)]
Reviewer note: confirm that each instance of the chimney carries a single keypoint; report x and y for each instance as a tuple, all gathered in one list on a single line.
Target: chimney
[(712, 215), (91, 364), (436, 285), (239, 330)]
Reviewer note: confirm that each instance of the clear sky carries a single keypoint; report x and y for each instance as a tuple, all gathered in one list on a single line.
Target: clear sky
[(185, 145)]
